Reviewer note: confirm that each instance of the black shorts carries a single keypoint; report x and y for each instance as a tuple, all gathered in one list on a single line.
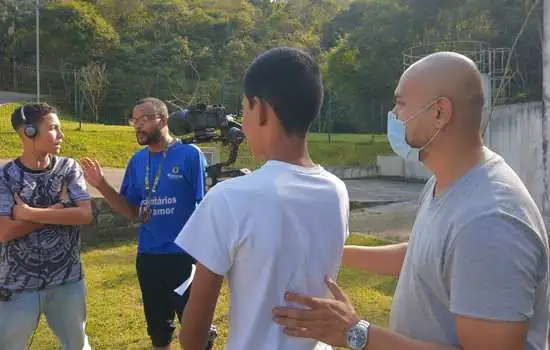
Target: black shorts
[(159, 275)]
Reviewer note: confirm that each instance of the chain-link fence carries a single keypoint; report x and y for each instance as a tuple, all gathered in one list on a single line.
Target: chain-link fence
[(93, 103), (93, 95), (58, 87)]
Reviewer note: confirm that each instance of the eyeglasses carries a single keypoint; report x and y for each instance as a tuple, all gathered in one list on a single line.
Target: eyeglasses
[(142, 119)]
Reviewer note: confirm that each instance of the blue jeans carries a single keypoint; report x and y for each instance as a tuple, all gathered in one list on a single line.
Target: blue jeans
[(65, 310)]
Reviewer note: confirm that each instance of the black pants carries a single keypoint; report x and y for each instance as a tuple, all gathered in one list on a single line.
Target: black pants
[(158, 276)]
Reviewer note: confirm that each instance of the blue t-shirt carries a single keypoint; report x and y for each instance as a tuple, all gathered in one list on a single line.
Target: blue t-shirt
[(180, 188)]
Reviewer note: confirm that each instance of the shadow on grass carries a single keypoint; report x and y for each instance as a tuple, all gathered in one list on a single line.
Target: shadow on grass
[(356, 279), (386, 286), (126, 279), (349, 278)]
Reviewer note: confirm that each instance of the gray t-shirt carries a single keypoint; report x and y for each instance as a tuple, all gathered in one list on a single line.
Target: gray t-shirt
[(49, 256), (480, 250)]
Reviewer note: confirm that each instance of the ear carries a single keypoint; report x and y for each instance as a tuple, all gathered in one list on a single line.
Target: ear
[(444, 112), (262, 108), (163, 121)]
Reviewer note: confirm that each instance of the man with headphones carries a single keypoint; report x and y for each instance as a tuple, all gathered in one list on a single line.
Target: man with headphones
[(43, 202)]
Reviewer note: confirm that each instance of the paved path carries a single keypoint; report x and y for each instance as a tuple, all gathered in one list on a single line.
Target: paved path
[(391, 221), (390, 213), (10, 96), (374, 190), (380, 218), (361, 190)]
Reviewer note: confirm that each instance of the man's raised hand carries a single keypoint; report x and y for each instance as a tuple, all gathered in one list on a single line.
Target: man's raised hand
[(92, 171)]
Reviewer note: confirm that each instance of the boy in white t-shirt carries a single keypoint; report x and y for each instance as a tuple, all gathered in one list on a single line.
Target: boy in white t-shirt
[(281, 228)]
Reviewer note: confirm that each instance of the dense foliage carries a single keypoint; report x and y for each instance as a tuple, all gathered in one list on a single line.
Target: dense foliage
[(98, 56)]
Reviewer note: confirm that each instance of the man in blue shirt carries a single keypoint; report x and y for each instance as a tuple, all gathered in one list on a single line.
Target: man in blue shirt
[(162, 186)]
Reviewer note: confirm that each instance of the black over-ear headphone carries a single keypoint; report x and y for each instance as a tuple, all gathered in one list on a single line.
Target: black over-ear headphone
[(30, 130)]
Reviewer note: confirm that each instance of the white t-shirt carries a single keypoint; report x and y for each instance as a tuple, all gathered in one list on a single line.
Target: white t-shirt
[(281, 228)]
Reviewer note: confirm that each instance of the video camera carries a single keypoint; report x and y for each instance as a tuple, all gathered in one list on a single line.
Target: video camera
[(207, 124)]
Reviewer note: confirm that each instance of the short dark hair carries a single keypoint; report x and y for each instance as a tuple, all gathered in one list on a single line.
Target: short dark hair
[(32, 114), (158, 105), (289, 80)]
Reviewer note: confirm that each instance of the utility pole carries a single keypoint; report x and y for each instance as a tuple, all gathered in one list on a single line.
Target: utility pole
[(37, 14), (546, 97)]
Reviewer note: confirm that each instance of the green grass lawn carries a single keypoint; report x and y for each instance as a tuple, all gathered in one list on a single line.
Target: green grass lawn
[(114, 145), (114, 303)]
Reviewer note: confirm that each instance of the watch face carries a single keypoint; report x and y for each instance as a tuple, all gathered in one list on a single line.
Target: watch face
[(357, 338)]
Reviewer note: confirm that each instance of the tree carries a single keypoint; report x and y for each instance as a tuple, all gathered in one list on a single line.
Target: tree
[(93, 82), (7, 26), (71, 33), (198, 50)]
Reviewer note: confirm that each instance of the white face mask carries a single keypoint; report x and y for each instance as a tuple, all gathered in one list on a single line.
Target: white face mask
[(397, 136)]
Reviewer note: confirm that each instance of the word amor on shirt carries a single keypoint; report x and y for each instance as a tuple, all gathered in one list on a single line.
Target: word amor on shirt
[(161, 201)]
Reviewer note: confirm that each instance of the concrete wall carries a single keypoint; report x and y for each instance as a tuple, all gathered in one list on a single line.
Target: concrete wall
[(105, 219), (395, 166), (347, 173), (515, 132)]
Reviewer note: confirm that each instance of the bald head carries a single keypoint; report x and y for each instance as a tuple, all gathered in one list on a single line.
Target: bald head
[(453, 76)]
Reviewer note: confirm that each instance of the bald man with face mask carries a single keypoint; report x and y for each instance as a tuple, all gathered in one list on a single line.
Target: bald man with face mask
[(474, 274)]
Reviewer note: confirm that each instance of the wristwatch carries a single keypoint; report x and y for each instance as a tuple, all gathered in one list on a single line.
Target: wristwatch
[(357, 335)]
